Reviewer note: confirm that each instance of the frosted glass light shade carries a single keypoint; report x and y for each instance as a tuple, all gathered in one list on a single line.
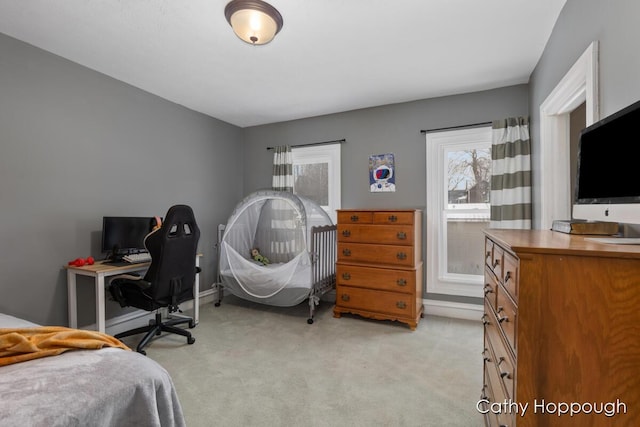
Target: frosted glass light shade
[(254, 21)]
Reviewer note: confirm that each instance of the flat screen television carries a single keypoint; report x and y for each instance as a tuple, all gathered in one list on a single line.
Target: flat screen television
[(608, 173), (122, 235)]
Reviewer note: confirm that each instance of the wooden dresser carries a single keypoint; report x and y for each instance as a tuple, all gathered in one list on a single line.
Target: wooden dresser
[(562, 327), (379, 267)]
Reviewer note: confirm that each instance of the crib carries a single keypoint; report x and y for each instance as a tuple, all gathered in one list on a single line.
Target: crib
[(296, 236)]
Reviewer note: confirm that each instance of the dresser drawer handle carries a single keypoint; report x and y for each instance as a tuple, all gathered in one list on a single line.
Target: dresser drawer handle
[(346, 276), (345, 297), (401, 256), (393, 218), (354, 218), (484, 319), (346, 252), (487, 289), (500, 317), (496, 263), (401, 304), (483, 394), (346, 233), (507, 277), (401, 282), (503, 374), (401, 235), (487, 255), (484, 355)]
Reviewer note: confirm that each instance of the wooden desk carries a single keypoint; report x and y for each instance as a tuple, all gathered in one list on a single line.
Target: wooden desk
[(99, 271)]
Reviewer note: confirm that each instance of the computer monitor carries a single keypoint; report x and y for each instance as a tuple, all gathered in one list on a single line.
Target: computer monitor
[(607, 181), (122, 235)]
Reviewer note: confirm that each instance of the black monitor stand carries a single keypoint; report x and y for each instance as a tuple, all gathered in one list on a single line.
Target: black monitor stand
[(115, 257)]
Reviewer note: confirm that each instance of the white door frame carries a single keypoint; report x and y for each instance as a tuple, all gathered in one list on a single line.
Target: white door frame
[(579, 85)]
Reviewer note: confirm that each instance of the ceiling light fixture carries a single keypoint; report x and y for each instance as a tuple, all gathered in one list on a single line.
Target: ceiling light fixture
[(254, 21)]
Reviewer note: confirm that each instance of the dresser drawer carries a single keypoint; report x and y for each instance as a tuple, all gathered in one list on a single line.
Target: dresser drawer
[(377, 278), (507, 314), (490, 321), (376, 254), (510, 275), (490, 288), (393, 218), (355, 217), (496, 261), (487, 398), (502, 362), (488, 253), (495, 393), (396, 303), (390, 234)]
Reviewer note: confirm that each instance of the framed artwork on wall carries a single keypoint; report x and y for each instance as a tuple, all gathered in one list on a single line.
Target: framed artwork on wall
[(382, 173)]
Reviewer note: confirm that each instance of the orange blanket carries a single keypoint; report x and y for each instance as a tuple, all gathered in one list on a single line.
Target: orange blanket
[(21, 344)]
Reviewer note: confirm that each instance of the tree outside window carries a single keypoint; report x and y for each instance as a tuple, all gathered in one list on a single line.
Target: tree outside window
[(469, 175)]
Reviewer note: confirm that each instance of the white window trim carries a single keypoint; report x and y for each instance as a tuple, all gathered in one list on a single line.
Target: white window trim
[(438, 280), (330, 154)]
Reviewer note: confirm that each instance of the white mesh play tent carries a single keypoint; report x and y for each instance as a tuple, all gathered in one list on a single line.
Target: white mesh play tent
[(294, 234)]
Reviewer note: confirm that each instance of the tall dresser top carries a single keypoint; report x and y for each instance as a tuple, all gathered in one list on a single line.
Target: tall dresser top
[(553, 242)]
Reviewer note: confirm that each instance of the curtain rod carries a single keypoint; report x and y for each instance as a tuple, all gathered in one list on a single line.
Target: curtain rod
[(314, 143), (473, 125)]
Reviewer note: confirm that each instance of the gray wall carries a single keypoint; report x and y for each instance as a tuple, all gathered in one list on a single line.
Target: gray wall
[(615, 26), (64, 129), (386, 129), (76, 145)]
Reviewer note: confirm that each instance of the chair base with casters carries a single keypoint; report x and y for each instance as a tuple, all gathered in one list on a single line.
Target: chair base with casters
[(156, 327)]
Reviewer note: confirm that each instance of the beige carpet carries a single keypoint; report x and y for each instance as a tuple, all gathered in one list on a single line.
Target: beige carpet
[(255, 365)]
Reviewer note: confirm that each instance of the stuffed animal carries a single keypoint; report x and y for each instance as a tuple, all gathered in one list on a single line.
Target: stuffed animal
[(255, 254)]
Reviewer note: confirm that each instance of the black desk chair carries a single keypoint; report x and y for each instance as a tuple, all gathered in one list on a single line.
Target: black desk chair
[(169, 280)]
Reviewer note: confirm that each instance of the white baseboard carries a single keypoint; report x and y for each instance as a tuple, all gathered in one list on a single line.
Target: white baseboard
[(206, 297), (137, 318), (457, 310), (210, 295)]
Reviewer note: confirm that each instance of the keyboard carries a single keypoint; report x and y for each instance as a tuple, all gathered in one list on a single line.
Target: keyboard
[(137, 258)]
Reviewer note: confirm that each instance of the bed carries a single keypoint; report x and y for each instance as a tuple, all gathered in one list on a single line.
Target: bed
[(105, 387)]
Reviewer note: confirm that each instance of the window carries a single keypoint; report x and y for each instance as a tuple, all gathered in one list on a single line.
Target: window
[(458, 205), (316, 175)]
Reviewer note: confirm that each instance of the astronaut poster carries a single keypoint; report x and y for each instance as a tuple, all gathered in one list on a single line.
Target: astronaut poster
[(382, 173)]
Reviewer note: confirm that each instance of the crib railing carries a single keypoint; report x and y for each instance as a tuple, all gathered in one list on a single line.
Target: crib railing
[(323, 258)]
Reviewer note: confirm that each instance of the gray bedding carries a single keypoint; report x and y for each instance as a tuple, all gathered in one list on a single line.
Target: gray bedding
[(107, 387)]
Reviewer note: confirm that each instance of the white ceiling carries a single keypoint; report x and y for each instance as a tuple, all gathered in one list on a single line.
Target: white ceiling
[(331, 55)]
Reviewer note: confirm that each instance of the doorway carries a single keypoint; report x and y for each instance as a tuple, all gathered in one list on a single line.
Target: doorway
[(579, 86)]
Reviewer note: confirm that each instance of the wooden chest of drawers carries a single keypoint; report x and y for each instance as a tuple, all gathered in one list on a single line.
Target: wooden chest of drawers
[(561, 327), (379, 267)]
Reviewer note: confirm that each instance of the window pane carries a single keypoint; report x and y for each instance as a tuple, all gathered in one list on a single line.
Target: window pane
[(311, 180), (468, 176), (465, 246)]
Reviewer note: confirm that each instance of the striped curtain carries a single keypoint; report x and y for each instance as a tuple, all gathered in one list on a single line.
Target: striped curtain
[(282, 169), (511, 174)]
